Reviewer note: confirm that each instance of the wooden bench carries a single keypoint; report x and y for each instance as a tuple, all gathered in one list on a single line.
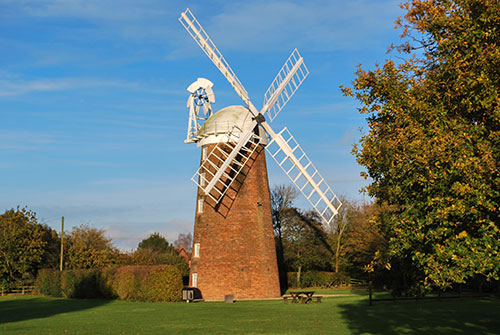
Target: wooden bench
[(288, 297), (306, 300), (303, 300)]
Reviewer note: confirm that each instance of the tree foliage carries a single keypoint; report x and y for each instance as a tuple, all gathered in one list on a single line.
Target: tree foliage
[(22, 245), (155, 250), (304, 241), (433, 145), (87, 248), (340, 226), (301, 242), (152, 257), (282, 197), (155, 242)]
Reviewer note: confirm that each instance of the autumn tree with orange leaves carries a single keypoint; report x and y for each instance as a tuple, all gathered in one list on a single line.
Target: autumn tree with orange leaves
[(432, 149)]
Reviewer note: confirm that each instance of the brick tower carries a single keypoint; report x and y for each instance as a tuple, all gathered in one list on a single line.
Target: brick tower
[(233, 243)]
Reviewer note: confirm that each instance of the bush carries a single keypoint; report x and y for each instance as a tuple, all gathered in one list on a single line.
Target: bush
[(150, 283), (80, 284), (151, 257), (317, 279), (165, 284), (48, 282), (126, 282), (105, 283)]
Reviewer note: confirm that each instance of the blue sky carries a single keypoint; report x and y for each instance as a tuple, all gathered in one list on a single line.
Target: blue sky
[(93, 100)]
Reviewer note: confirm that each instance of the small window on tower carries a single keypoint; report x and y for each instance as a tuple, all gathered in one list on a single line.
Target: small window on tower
[(194, 280), (196, 250), (200, 205), (202, 179), (204, 153)]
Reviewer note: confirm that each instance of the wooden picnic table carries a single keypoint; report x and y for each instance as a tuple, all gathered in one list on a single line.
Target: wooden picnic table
[(302, 296)]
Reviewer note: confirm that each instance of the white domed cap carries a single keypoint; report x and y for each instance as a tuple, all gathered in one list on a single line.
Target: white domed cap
[(226, 124)]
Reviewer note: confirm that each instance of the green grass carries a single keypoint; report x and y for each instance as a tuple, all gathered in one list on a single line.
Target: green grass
[(339, 315)]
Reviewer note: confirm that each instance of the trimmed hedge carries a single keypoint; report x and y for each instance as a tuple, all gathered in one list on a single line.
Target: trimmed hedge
[(147, 283), (317, 279), (105, 283), (48, 282), (80, 284)]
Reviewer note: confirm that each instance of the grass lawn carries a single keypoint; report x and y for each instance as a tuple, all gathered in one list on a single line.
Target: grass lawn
[(338, 315)]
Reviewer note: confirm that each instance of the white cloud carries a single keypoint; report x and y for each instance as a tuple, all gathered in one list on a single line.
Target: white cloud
[(128, 209), (128, 238), (260, 26), (17, 87), (25, 140), (90, 9), (130, 19)]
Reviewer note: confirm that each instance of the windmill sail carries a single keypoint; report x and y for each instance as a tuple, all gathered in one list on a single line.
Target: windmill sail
[(219, 170), (203, 40), (286, 83), (215, 179), (285, 150)]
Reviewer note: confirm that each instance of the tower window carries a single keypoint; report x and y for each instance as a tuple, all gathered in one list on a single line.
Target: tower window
[(200, 205), (202, 179), (196, 250), (194, 280), (204, 151)]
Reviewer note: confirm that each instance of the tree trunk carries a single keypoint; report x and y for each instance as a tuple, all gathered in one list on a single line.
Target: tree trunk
[(337, 253)]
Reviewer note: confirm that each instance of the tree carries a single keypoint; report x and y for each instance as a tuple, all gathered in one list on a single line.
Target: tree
[(88, 248), (282, 197), (155, 242), (52, 255), (340, 224), (305, 244), (21, 245), (433, 145), (364, 241), (184, 240), (157, 257), (156, 250)]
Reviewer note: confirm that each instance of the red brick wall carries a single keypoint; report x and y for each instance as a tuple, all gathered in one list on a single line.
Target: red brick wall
[(237, 250)]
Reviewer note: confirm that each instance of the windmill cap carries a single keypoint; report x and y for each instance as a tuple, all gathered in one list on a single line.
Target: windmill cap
[(229, 120)]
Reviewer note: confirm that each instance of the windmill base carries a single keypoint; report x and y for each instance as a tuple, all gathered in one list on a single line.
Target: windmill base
[(234, 251)]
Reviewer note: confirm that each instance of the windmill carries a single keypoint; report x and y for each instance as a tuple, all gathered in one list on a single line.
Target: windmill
[(233, 245)]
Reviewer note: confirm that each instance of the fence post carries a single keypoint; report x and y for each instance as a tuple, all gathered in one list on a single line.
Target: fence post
[(370, 293)]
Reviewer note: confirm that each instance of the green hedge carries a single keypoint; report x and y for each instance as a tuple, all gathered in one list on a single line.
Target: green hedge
[(80, 284), (148, 283), (48, 282), (317, 279), (105, 283)]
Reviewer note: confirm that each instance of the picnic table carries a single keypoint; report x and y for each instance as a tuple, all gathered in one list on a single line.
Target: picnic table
[(302, 297)]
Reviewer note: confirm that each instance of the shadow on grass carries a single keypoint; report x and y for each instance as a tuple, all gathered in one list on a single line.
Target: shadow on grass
[(457, 316), (13, 309)]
